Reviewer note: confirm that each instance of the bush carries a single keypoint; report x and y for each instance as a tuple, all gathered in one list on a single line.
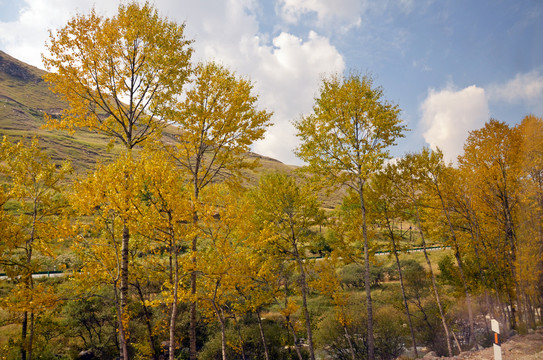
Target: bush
[(389, 334), (352, 276), (277, 341)]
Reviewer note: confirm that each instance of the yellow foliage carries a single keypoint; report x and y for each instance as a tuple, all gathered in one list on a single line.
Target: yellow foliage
[(119, 75)]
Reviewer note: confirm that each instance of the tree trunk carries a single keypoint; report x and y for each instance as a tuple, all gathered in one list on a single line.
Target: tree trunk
[(221, 319), (123, 348), (402, 287), (193, 354), (192, 326), (295, 338), (23, 335), (260, 327), (174, 300), (369, 306), (303, 283), (223, 338), (434, 285), (350, 342), (124, 283), (31, 336)]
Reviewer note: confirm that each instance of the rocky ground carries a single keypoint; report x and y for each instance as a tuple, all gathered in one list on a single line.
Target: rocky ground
[(518, 347)]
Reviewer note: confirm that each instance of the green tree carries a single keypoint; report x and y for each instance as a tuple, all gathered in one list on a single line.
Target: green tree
[(119, 76), (346, 140)]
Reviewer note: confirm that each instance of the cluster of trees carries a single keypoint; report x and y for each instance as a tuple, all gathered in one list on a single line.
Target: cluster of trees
[(168, 252), (487, 209)]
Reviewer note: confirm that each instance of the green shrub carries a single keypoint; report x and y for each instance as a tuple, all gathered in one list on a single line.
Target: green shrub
[(352, 276), (277, 341), (389, 334)]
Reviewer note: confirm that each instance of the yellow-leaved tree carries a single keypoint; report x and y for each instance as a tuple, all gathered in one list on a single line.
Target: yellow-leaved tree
[(388, 206), (119, 76), (346, 140), (491, 161), (411, 176), (164, 218), (289, 213), (34, 186), (530, 247), (218, 121)]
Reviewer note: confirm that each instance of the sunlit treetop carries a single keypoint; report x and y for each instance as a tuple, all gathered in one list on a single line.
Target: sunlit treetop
[(349, 133), (118, 75)]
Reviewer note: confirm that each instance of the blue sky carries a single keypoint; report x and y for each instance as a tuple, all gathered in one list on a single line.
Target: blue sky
[(449, 64)]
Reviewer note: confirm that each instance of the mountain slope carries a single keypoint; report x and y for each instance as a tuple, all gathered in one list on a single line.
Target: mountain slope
[(25, 98)]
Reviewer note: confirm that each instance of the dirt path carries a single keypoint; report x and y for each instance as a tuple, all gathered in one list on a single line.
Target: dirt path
[(518, 347)]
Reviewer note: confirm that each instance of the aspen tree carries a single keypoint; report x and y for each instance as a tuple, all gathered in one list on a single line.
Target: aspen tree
[(387, 205), (218, 121), (491, 160), (345, 141), (119, 76), (410, 184), (531, 219), (288, 213), (35, 183), (438, 178), (110, 195), (164, 217)]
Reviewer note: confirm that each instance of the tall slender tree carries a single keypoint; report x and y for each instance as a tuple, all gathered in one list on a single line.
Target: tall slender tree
[(387, 205), (491, 160), (165, 218), (531, 201), (218, 121), (438, 178), (345, 141), (35, 184), (289, 213), (119, 76), (411, 184)]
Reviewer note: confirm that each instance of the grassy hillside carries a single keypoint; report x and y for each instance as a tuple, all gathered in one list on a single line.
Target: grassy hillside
[(25, 98)]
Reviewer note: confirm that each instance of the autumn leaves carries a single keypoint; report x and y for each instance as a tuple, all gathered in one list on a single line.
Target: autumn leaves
[(168, 225)]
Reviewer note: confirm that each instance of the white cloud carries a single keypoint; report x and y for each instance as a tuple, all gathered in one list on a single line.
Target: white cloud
[(527, 87), (448, 116), (24, 38), (288, 77), (285, 69), (349, 11)]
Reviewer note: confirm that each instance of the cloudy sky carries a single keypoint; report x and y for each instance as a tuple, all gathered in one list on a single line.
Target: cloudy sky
[(449, 64)]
